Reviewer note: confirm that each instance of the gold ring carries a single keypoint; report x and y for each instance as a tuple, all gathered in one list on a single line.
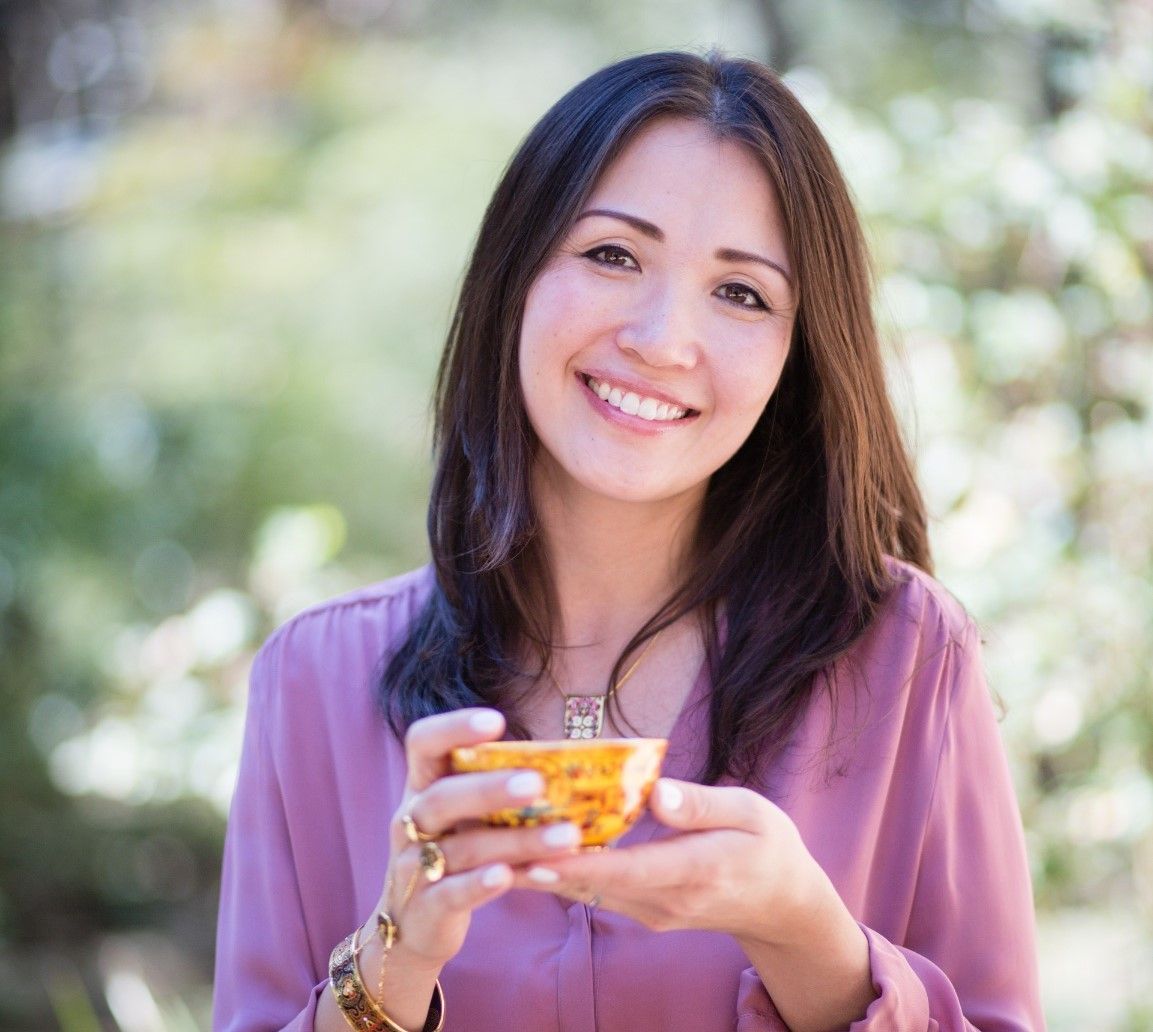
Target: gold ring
[(432, 861), (411, 831)]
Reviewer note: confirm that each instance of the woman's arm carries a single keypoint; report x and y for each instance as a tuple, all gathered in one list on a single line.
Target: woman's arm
[(266, 976), (967, 958), (817, 975), (740, 867), (287, 885), (270, 960)]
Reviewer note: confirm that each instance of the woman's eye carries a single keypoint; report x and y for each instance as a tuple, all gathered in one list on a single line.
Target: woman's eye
[(611, 255), (741, 295)]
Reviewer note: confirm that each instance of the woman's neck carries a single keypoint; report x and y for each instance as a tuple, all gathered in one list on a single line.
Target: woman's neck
[(613, 563)]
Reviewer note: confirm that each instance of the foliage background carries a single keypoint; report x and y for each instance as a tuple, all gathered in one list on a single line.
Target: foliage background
[(230, 234)]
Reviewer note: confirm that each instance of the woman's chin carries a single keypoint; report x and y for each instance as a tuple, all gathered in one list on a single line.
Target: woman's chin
[(631, 490)]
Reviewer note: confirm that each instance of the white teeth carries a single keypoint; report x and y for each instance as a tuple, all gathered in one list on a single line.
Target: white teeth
[(634, 405)]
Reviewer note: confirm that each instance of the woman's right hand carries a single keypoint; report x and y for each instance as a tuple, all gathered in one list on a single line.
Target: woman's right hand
[(479, 860), (433, 917)]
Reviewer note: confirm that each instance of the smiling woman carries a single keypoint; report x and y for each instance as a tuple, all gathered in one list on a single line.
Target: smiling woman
[(670, 489)]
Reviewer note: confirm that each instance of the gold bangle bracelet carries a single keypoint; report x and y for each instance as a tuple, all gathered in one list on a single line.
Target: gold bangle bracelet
[(358, 1008)]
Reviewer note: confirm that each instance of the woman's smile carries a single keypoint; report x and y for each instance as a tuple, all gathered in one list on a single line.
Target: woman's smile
[(637, 402)]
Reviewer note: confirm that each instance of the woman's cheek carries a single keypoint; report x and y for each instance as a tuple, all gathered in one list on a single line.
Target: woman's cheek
[(754, 364), (553, 304)]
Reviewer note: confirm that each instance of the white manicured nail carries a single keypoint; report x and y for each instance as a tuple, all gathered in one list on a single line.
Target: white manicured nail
[(543, 876), (561, 835), (671, 797), (494, 876), (486, 721), (526, 785)]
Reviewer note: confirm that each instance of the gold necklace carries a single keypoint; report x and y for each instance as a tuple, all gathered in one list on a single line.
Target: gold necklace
[(584, 715)]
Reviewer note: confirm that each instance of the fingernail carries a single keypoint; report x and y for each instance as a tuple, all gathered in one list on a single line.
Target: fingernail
[(486, 721), (670, 796), (494, 876), (525, 785), (543, 876), (561, 835)]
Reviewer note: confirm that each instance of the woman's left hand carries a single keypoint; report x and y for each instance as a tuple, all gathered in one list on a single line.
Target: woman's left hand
[(739, 866)]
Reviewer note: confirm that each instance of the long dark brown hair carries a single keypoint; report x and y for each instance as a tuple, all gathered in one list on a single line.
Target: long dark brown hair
[(792, 539)]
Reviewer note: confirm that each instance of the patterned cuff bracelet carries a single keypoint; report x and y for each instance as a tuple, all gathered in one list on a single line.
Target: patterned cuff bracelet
[(358, 1008)]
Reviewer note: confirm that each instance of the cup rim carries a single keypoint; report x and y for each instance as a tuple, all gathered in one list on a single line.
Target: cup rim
[(564, 744)]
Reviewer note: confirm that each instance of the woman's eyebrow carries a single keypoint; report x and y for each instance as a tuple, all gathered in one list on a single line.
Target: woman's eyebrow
[(729, 254), (640, 225), (654, 232)]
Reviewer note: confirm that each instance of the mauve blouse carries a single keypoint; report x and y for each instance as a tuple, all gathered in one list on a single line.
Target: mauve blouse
[(911, 814)]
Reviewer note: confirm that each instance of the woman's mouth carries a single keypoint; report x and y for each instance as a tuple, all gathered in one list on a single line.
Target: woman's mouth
[(631, 404)]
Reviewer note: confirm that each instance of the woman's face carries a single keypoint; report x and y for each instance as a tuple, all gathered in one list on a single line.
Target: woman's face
[(656, 333)]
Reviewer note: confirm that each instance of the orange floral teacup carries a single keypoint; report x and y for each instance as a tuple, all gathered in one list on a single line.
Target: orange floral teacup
[(601, 784)]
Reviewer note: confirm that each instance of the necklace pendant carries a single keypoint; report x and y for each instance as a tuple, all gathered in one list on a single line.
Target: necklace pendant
[(584, 716)]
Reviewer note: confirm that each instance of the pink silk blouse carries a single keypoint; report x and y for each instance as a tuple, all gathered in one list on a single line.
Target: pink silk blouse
[(911, 814)]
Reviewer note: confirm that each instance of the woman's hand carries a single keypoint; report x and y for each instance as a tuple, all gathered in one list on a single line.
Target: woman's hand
[(739, 866), (433, 917)]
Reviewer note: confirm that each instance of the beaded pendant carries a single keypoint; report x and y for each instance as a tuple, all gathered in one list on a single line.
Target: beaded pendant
[(584, 715)]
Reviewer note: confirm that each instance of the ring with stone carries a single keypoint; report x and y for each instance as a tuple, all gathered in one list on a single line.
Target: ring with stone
[(432, 861)]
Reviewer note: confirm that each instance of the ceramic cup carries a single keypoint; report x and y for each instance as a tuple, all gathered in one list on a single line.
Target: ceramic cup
[(601, 785)]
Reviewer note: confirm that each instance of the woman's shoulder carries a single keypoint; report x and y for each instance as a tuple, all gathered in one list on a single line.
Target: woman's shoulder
[(919, 603), (344, 638), (380, 603), (920, 641), (897, 685)]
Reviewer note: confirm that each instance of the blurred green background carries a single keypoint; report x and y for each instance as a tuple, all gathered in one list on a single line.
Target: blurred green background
[(230, 236)]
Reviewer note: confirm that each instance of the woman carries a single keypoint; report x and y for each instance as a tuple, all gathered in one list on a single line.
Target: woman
[(669, 482)]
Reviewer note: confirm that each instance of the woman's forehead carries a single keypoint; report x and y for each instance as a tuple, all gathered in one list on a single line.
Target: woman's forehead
[(681, 176)]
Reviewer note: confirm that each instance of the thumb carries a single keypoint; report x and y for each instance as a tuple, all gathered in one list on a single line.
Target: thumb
[(691, 807)]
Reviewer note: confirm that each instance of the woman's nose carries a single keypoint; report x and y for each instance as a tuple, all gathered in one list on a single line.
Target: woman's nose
[(664, 328)]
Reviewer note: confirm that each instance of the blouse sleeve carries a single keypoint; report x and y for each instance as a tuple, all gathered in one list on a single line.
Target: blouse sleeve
[(968, 960), (265, 976)]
